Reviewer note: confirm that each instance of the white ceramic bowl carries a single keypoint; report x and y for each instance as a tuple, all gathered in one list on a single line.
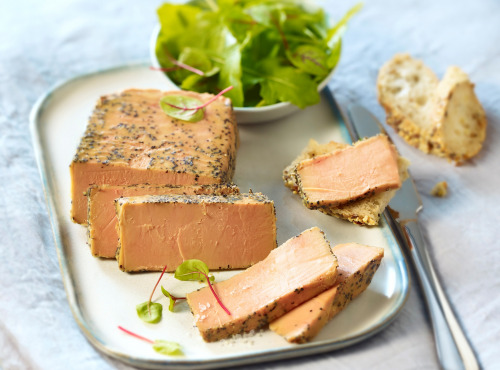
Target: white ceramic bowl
[(244, 115)]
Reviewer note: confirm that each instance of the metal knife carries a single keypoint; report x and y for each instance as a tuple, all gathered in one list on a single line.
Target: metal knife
[(453, 348)]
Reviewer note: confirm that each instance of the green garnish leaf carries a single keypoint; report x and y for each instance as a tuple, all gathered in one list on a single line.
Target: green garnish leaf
[(192, 270), (187, 108), (167, 348), (182, 107), (149, 312), (161, 346), (172, 299)]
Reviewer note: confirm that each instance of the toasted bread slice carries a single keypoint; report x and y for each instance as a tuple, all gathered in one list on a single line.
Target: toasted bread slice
[(365, 211), (443, 118), (458, 120), (405, 90)]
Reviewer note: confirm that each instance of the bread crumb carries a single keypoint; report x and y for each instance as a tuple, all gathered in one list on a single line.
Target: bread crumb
[(440, 189)]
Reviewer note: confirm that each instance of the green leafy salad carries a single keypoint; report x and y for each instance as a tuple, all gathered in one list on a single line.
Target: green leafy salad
[(268, 51)]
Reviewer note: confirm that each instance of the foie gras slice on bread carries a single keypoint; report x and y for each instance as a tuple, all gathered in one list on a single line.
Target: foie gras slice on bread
[(298, 270), (357, 265), (102, 232), (365, 211), (130, 140), (225, 232), (368, 167), (443, 118)]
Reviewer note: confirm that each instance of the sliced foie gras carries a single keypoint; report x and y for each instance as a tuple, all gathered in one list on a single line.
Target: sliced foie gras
[(130, 140), (357, 264), (369, 167), (102, 232), (225, 232), (298, 270)]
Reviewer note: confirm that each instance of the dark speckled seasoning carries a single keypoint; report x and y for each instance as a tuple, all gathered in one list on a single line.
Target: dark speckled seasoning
[(130, 140)]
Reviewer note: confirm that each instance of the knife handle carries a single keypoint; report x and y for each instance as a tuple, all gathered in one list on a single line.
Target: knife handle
[(454, 350)]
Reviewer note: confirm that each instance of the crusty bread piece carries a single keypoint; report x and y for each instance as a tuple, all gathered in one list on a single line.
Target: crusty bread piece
[(405, 90), (365, 211), (443, 118), (458, 120)]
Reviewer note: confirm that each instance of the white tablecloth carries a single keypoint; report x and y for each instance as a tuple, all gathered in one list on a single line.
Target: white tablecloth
[(42, 43)]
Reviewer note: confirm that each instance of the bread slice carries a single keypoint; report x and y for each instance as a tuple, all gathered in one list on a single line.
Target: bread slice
[(443, 118), (458, 120), (365, 211), (405, 90)]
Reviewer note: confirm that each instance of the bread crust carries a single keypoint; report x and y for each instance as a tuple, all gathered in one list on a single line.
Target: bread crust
[(458, 119)]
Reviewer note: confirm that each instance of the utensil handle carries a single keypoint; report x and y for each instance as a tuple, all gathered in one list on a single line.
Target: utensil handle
[(454, 350)]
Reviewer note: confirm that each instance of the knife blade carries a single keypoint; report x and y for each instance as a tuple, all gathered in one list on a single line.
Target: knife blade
[(453, 348)]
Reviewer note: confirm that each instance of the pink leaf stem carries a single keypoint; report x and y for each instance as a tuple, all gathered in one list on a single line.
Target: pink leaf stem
[(203, 105), (213, 291), (151, 296), (135, 335)]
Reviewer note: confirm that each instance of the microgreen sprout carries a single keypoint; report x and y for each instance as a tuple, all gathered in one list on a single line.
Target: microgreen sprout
[(197, 270), (161, 346), (148, 311), (173, 299), (187, 108)]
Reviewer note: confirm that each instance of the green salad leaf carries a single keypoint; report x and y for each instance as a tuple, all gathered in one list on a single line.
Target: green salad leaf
[(284, 83), (149, 312), (268, 51), (309, 59)]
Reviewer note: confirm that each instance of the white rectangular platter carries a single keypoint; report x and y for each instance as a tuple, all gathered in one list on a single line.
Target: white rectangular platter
[(103, 297)]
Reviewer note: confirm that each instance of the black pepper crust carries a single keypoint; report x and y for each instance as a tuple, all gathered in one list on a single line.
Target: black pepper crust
[(347, 290), (198, 199), (141, 121)]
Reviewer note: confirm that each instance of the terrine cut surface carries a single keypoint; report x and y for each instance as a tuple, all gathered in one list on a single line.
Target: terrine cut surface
[(293, 273), (225, 232), (369, 167), (130, 140), (357, 265), (102, 233)]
